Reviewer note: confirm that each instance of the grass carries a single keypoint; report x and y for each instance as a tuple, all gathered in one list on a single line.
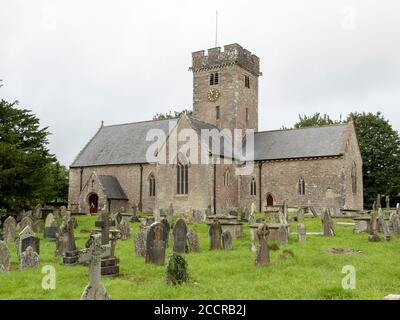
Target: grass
[(310, 274)]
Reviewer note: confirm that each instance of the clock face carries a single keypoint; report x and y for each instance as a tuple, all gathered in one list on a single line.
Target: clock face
[(213, 95)]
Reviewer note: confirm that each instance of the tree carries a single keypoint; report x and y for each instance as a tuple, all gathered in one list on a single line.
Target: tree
[(55, 188), (24, 157), (315, 120), (380, 150), (172, 115)]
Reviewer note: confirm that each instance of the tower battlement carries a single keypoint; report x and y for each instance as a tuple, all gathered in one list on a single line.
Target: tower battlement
[(232, 54)]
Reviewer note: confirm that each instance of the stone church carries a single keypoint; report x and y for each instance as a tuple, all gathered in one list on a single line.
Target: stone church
[(312, 167)]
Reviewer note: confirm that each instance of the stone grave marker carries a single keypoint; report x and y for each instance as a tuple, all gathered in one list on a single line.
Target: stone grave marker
[(27, 238), (170, 213), (262, 256), (9, 229), (179, 235), (253, 209), (197, 216), (226, 240), (384, 228), (301, 232), (37, 212), (63, 211), (373, 232), (140, 243), (65, 242), (29, 259), (26, 221), (177, 270), (149, 221), (252, 219), (50, 227), (95, 290), (125, 229), (165, 222), (300, 215), (395, 220), (156, 244), (135, 216), (327, 225), (4, 257), (193, 241), (215, 233)]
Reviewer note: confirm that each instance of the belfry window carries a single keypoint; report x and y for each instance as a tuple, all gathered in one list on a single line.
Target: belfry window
[(182, 180), (302, 187), (214, 78), (253, 187), (227, 177), (152, 186), (247, 81), (217, 112), (354, 178)]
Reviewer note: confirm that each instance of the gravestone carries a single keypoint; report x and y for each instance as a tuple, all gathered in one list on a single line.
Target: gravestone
[(283, 234), (118, 218), (165, 222), (65, 242), (156, 244), (384, 228), (215, 233), (4, 257), (140, 243), (170, 213), (149, 221), (135, 216), (252, 219), (193, 241), (29, 259), (179, 235), (262, 256), (26, 221), (378, 202), (301, 232), (9, 229), (395, 220), (327, 225), (197, 216), (37, 212), (177, 270), (95, 290), (63, 211), (27, 238), (226, 240), (50, 227), (125, 229), (253, 209), (300, 215), (373, 232), (387, 202)]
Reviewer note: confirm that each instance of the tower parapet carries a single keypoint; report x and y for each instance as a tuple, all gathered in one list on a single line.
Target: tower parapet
[(232, 54)]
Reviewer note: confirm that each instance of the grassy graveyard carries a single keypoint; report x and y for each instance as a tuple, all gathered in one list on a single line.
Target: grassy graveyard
[(311, 274)]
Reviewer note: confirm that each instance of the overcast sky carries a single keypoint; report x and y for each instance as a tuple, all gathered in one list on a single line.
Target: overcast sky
[(75, 63)]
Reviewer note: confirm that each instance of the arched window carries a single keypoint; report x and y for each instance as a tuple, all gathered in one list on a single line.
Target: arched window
[(354, 178), (253, 187), (227, 177), (302, 187), (182, 179), (152, 186)]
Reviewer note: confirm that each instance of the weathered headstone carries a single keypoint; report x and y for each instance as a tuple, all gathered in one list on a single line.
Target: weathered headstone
[(170, 213), (193, 241), (395, 220), (226, 240), (283, 234), (301, 232), (384, 228), (26, 221), (197, 216), (65, 242), (327, 224), (9, 229), (373, 232), (135, 216), (387, 199), (300, 215), (262, 256), (149, 221), (177, 270), (118, 218), (29, 259), (50, 227), (95, 290), (63, 211), (165, 222), (37, 212), (215, 233), (179, 233), (27, 238), (156, 244), (125, 229), (4, 257), (140, 242)]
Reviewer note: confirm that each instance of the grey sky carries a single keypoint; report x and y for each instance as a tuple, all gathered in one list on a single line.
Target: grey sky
[(75, 63)]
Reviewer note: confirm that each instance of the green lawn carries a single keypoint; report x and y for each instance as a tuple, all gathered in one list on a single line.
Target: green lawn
[(311, 274)]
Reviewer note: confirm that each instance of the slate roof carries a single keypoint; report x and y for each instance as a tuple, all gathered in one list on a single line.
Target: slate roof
[(120, 144), (299, 143), (112, 188)]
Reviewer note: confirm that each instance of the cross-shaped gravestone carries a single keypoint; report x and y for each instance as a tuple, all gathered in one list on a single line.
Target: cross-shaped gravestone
[(104, 223), (95, 290)]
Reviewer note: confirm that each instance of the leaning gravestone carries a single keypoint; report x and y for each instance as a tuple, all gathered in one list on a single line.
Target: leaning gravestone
[(327, 229), (125, 229), (215, 233), (9, 229), (262, 257), (50, 227), (29, 259), (27, 238), (140, 243), (193, 241), (301, 232), (4, 257), (179, 235), (226, 240), (156, 244)]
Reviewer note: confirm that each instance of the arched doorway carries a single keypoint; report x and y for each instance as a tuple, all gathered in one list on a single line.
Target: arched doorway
[(270, 200), (93, 203)]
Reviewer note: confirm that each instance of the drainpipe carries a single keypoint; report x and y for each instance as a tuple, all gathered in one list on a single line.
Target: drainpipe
[(140, 205), (81, 181), (109, 206), (259, 181), (215, 188)]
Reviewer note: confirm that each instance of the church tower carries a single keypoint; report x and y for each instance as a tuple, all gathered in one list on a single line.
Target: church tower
[(225, 87)]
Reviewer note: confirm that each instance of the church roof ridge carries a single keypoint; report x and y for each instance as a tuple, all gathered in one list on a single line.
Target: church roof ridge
[(306, 128), (136, 122)]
